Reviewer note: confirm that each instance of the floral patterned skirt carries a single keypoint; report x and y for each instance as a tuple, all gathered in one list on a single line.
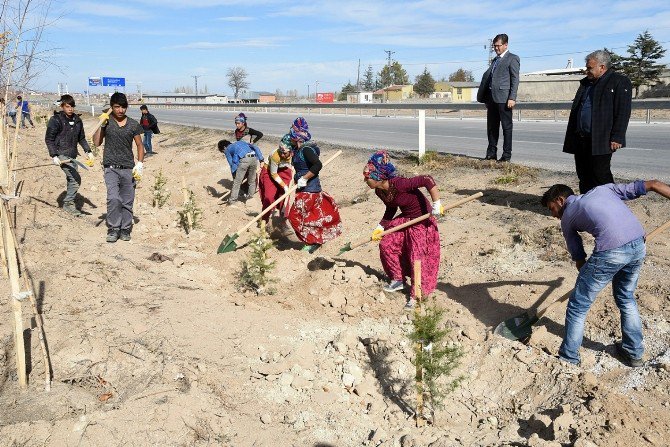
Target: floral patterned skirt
[(399, 250), (271, 191), (315, 217)]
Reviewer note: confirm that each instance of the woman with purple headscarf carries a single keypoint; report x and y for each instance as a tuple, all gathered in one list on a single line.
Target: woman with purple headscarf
[(421, 241), (314, 215)]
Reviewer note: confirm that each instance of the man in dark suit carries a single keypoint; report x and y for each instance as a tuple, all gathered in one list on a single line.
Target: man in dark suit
[(498, 91), (598, 121)]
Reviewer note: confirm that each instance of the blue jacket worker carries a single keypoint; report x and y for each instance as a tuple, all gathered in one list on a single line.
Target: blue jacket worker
[(243, 159)]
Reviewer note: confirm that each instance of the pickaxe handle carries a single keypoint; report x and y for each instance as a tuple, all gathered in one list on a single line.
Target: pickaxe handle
[(418, 219)]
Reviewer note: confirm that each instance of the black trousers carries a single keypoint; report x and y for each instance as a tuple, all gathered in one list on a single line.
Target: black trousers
[(592, 170), (497, 114)]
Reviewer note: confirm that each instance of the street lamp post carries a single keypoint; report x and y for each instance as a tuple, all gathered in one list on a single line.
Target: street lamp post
[(316, 90)]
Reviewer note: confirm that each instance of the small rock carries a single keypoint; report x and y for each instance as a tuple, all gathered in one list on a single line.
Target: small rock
[(285, 379), (300, 383), (408, 441), (266, 418), (348, 380)]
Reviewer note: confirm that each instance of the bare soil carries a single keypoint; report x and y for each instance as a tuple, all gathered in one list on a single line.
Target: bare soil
[(153, 342)]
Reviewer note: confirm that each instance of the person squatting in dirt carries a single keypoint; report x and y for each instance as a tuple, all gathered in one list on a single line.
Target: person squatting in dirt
[(419, 242), (121, 172), (617, 257), (243, 159), (314, 215), (275, 178), (65, 130)]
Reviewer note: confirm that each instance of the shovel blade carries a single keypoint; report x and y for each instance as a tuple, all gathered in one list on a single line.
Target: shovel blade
[(345, 248), (228, 244), (517, 328)]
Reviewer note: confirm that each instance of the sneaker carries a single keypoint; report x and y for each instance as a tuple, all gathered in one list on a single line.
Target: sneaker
[(394, 286), (124, 235), (626, 358), (70, 208), (409, 305), (233, 203), (112, 235)]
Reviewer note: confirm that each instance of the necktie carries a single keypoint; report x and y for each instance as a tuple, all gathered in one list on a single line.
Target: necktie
[(495, 63)]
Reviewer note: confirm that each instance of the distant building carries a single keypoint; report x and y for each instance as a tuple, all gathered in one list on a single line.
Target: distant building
[(394, 93), (248, 96), (360, 97), (183, 98), (456, 91)]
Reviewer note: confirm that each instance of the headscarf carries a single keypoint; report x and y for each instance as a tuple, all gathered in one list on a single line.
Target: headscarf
[(241, 118), (285, 144), (299, 130), (379, 167)]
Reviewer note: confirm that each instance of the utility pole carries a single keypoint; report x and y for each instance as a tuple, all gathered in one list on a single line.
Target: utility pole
[(307, 92), (389, 52), (316, 90), (358, 77), (196, 82)]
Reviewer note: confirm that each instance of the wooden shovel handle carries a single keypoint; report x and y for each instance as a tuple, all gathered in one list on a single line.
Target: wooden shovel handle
[(658, 230), (286, 194), (565, 297), (418, 219)]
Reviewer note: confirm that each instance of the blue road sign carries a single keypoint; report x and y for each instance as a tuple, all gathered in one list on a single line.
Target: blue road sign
[(113, 82), (94, 81)]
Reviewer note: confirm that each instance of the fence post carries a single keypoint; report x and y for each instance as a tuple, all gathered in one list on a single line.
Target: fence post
[(422, 134), (518, 114), (555, 115), (460, 114), (648, 116)]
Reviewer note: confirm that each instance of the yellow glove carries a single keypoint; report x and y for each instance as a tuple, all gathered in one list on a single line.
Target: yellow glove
[(377, 233), (90, 158), (104, 117)]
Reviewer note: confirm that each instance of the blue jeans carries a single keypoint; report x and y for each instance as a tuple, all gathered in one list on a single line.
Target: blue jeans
[(147, 140), (621, 266)]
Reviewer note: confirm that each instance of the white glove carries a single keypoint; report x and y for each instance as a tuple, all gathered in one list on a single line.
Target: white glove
[(438, 209), (285, 189), (90, 156), (138, 170), (302, 182), (56, 160)]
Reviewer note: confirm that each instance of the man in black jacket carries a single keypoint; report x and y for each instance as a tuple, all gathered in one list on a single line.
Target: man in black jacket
[(64, 131), (598, 121), (149, 124)]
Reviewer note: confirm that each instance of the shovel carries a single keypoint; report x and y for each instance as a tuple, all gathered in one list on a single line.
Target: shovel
[(66, 161), (351, 246), (520, 327), (228, 243)]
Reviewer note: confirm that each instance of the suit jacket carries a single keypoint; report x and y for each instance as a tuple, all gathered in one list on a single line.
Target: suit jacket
[(610, 112), (504, 82)]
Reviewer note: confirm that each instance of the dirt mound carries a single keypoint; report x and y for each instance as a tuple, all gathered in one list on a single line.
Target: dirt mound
[(153, 342)]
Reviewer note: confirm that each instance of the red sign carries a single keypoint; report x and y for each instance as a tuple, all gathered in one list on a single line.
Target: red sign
[(325, 97)]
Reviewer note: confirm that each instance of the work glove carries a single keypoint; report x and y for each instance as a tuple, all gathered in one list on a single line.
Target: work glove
[(56, 160), (377, 233), (438, 209), (90, 158), (104, 117), (302, 182), (285, 188), (138, 170)]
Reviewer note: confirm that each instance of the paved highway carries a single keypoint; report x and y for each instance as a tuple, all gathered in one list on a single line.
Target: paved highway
[(536, 143)]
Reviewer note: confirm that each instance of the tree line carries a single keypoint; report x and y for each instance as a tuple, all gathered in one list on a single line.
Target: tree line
[(640, 65)]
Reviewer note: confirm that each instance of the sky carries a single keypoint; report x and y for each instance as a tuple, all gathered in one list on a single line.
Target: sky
[(284, 45)]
